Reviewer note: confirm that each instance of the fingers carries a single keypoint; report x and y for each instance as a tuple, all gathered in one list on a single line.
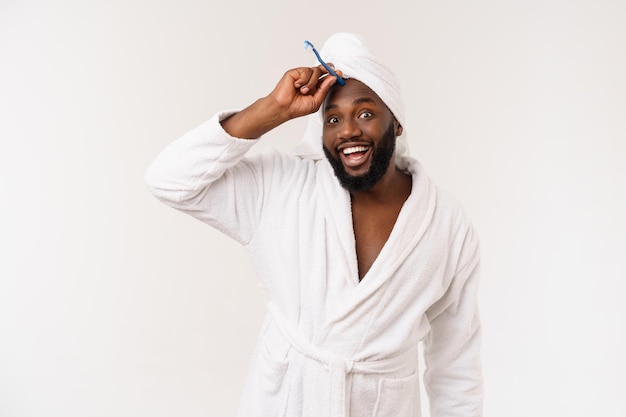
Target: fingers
[(302, 90), (326, 82), (307, 79), (310, 79)]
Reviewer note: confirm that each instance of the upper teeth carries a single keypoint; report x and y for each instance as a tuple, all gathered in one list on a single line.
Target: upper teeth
[(354, 149)]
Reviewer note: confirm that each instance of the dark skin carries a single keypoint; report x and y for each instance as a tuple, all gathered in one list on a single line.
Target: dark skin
[(354, 115)]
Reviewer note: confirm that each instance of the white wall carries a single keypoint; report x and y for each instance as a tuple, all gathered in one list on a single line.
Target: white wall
[(112, 304)]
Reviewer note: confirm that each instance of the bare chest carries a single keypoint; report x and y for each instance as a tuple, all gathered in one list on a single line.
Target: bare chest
[(372, 228)]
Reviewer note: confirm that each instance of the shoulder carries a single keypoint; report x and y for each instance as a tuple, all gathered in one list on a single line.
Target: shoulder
[(280, 168), (280, 161), (448, 208), (463, 238)]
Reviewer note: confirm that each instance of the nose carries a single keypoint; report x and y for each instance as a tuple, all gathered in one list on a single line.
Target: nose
[(350, 129)]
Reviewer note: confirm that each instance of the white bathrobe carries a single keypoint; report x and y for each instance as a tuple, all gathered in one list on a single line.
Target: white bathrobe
[(332, 346)]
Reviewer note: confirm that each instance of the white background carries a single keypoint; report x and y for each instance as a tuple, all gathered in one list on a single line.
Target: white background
[(112, 304)]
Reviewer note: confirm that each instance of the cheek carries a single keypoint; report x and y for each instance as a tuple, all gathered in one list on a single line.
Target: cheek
[(372, 130), (327, 139)]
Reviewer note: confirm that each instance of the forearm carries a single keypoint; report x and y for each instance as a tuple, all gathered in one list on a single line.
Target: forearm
[(255, 120), (299, 92), (453, 376)]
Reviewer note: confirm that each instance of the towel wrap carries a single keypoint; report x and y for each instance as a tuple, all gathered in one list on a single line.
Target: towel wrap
[(350, 53)]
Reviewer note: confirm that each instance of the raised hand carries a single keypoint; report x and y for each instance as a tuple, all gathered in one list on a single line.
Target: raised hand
[(299, 92)]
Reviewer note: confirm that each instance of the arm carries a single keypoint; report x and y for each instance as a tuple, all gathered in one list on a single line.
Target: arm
[(299, 92), (204, 174), (453, 377), (196, 175)]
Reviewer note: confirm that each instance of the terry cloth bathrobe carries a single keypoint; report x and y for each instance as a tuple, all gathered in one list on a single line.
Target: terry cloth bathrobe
[(331, 345)]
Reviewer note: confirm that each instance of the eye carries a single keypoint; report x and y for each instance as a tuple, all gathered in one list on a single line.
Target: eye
[(332, 120), (365, 115)]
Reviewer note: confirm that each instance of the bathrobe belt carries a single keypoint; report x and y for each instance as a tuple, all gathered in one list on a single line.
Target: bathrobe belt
[(339, 368)]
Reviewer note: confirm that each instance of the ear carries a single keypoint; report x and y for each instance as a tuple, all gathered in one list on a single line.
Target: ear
[(398, 127)]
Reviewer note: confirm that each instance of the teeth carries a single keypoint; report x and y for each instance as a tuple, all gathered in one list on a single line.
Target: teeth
[(354, 149)]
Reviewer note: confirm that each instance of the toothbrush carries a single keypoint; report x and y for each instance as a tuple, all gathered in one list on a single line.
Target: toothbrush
[(325, 65)]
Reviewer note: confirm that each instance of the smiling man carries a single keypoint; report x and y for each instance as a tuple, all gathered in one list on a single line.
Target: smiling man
[(359, 142), (360, 254), (362, 131)]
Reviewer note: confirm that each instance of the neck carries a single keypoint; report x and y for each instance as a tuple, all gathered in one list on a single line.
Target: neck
[(394, 186)]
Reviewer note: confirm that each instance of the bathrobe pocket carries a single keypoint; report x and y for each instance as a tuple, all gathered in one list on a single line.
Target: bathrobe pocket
[(270, 392), (272, 371), (397, 397)]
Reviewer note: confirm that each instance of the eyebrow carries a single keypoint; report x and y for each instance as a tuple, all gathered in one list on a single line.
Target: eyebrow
[(356, 101)]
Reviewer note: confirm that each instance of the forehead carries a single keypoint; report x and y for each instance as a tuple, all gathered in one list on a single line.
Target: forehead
[(354, 92)]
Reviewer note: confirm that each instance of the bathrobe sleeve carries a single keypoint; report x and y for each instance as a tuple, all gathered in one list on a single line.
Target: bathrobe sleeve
[(204, 174), (453, 376)]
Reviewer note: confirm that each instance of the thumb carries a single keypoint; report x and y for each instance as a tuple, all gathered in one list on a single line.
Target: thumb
[(325, 86)]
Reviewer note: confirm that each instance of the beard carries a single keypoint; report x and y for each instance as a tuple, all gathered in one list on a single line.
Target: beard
[(381, 158)]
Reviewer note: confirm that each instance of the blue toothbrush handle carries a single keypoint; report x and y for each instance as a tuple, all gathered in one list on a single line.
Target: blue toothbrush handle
[(332, 72)]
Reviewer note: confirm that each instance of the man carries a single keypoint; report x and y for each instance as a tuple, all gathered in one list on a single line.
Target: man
[(361, 256)]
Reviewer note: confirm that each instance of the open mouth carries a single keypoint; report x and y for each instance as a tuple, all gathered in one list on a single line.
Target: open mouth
[(354, 156)]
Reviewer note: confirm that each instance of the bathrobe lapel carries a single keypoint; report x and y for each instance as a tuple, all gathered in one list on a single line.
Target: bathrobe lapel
[(338, 213), (410, 226)]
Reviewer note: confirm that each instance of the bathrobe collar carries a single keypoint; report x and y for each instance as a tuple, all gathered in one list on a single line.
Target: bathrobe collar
[(410, 225)]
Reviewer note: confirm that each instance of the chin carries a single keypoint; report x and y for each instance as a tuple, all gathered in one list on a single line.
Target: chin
[(378, 166)]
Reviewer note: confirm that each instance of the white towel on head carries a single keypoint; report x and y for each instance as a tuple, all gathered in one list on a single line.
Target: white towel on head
[(349, 53)]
